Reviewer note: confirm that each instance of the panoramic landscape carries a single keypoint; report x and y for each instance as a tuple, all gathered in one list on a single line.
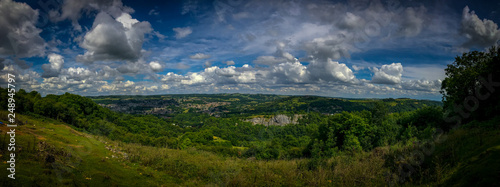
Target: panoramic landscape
[(249, 93)]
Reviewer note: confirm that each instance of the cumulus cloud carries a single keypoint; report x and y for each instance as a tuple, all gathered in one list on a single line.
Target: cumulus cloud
[(388, 74), (195, 78), (215, 76), (290, 72), (79, 73), (181, 32), (330, 71), (74, 9), (480, 33), (227, 72), (172, 77), (156, 66), (54, 66), (114, 39), (18, 34), (279, 74), (199, 56)]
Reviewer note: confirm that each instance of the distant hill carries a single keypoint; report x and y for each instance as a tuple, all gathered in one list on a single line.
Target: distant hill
[(249, 104)]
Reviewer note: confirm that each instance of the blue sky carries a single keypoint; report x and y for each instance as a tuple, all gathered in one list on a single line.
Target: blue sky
[(353, 48)]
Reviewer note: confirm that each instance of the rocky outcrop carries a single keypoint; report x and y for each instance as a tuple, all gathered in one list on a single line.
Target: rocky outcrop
[(279, 119)]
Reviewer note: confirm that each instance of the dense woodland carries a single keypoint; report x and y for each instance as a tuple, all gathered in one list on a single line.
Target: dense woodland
[(336, 128)]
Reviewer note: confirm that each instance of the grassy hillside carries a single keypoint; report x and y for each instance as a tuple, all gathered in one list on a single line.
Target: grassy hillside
[(51, 153), (54, 154)]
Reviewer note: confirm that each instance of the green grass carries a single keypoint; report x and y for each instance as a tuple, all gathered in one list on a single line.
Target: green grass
[(467, 157), (80, 159), (464, 157), (472, 157)]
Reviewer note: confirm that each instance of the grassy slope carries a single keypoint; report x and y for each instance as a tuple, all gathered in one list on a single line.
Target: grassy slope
[(467, 157), (79, 158)]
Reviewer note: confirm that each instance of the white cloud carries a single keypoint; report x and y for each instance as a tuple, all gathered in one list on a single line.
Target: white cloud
[(127, 21), (199, 56), (181, 32), (330, 71), (54, 67), (156, 66), (387, 74), (18, 34), (290, 72), (194, 78), (79, 73), (111, 39), (227, 72), (480, 33)]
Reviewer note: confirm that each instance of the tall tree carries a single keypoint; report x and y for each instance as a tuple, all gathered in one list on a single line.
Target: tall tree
[(471, 90)]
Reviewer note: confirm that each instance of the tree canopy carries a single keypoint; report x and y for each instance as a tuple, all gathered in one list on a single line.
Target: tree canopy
[(471, 89)]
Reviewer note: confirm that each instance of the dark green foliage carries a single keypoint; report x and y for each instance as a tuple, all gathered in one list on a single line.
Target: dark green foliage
[(471, 90)]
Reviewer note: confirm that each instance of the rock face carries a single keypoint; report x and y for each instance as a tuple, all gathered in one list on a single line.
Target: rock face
[(279, 119)]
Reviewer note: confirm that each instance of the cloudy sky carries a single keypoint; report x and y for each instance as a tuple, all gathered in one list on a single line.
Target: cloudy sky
[(352, 48)]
